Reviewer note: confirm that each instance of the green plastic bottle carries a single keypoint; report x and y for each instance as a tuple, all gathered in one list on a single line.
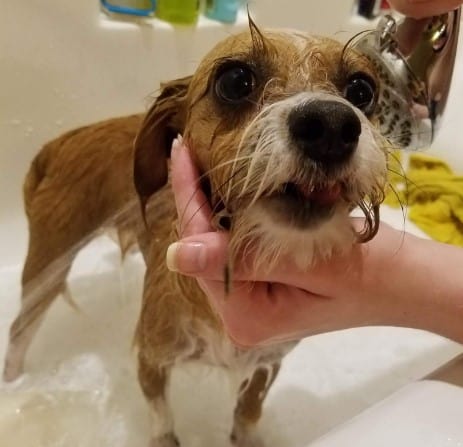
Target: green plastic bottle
[(184, 12)]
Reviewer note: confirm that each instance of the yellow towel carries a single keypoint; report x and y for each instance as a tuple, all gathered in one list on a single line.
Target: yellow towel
[(432, 193)]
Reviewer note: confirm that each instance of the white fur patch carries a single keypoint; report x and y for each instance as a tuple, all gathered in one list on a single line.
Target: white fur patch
[(162, 418), (304, 246), (213, 348)]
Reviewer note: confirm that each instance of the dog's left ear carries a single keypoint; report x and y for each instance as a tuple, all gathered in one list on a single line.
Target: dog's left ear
[(163, 122)]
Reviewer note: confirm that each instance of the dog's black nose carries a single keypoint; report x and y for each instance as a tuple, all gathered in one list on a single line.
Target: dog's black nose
[(326, 131)]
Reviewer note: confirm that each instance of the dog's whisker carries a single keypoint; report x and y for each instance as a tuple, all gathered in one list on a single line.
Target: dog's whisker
[(353, 40), (403, 176), (403, 206), (406, 179), (205, 202), (223, 165), (401, 134), (371, 213), (262, 151), (205, 176), (264, 179), (246, 138), (238, 151)]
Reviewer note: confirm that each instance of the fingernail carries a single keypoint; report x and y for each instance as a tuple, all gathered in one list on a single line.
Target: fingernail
[(176, 144), (186, 257)]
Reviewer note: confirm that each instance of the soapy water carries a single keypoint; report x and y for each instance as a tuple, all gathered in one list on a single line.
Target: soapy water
[(68, 408), (80, 386), (80, 367)]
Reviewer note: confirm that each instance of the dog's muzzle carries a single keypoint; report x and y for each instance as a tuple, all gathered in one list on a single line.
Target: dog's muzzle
[(325, 131)]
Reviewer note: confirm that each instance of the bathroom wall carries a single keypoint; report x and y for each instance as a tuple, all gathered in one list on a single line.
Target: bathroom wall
[(64, 64)]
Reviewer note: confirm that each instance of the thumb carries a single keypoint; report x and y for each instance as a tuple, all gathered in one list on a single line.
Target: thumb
[(203, 255), (206, 255)]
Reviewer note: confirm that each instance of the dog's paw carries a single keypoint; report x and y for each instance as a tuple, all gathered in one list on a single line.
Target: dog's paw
[(12, 370), (241, 438), (167, 440)]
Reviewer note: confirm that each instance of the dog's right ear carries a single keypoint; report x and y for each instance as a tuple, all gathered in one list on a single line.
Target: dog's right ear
[(163, 122)]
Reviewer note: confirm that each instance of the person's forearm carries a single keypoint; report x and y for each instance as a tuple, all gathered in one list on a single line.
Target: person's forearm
[(431, 288)]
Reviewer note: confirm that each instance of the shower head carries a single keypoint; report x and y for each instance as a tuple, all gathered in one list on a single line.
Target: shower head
[(415, 59)]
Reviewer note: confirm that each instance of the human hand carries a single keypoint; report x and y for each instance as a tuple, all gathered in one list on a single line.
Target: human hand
[(285, 303), (424, 8)]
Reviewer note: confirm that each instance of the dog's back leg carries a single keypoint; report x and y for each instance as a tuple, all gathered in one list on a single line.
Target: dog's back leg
[(59, 226), (43, 279), (154, 380), (249, 406)]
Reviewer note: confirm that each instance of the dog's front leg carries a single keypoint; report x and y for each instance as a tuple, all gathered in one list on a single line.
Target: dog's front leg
[(249, 406), (154, 380)]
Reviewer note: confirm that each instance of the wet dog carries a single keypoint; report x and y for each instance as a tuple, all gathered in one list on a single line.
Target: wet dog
[(282, 126)]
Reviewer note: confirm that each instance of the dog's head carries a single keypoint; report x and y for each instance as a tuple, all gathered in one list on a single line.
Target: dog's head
[(282, 126)]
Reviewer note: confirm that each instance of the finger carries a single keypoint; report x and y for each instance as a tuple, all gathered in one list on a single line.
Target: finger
[(192, 205), (254, 316)]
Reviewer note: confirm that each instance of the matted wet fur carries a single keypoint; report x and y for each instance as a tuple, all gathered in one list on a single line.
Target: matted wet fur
[(240, 115)]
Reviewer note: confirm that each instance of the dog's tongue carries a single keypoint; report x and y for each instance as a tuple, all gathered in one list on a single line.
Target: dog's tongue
[(324, 196)]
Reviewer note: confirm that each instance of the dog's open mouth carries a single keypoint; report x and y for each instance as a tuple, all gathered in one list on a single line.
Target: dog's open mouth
[(321, 195), (302, 204)]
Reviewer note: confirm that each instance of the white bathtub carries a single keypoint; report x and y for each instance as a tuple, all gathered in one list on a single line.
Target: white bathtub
[(62, 64)]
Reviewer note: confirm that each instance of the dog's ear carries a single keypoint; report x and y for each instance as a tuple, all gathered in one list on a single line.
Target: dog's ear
[(163, 122)]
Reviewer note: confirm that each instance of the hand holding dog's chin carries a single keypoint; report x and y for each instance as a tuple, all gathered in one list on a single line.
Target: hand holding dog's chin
[(388, 281)]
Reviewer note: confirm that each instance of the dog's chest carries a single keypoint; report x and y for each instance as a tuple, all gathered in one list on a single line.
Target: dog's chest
[(209, 346)]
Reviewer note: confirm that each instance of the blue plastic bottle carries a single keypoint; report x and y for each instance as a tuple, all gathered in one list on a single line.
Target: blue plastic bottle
[(141, 8), (223, 10)]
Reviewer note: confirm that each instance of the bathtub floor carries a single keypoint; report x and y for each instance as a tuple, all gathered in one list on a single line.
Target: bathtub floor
[(80, 385)]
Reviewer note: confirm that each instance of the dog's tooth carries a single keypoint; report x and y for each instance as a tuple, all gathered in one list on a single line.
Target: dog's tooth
[(180, 138)]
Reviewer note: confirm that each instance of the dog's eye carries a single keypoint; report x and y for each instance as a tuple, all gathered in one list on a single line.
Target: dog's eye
[(235, 83), (360, 91)]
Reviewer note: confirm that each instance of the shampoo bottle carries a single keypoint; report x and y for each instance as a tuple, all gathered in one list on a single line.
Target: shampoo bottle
[(223, 10), (184, 12)]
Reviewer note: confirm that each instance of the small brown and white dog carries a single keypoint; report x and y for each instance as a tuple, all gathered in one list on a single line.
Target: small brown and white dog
[(282, 126)]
